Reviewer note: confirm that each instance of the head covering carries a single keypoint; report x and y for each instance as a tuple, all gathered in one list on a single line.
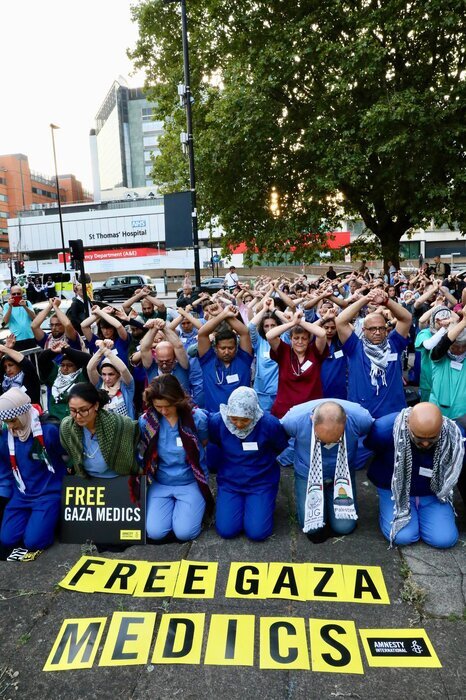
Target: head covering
[(14, 403), (460, 340), (243, 403), (440, 313)]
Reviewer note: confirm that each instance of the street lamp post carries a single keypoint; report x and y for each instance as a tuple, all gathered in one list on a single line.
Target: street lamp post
[(52, 129), (190, 142)]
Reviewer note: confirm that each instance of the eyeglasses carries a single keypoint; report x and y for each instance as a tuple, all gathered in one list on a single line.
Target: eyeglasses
[(55, 325), (421, 441), (83, 412), (376, 329), (15, 294)]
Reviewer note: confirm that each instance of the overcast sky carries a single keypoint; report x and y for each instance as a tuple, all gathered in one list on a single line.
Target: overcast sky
[(59, 59)]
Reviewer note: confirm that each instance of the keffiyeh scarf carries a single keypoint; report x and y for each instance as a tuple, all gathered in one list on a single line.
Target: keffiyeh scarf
[(446, 468), (378, 357)]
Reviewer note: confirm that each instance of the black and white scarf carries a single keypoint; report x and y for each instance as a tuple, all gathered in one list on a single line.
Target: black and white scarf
[(446, 468), (378, 357), (343, 500)]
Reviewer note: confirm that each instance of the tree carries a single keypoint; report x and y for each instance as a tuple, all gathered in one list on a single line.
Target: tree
[(347, 108)]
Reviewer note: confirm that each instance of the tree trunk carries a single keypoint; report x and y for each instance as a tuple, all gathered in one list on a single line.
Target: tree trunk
[(389, 237)]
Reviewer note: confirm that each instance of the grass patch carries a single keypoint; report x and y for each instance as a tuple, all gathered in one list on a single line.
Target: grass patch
[(411, 592)]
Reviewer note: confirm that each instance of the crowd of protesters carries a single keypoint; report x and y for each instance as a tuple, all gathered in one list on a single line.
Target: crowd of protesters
[(220, 392)]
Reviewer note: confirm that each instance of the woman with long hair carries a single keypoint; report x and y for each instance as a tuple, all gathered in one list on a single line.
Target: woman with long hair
[(172, 451), (106, 371), (99, 443)]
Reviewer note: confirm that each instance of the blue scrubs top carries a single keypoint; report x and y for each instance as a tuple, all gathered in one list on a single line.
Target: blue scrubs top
[(333, 372), (360, 390), (39, 481), (121, 346), (173, 468), (221, 381), (380, 472), (93, 459), (297, 423), (254, 468), (266, 377)]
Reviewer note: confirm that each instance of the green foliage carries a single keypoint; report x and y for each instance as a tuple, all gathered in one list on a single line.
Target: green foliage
[(317, 98)]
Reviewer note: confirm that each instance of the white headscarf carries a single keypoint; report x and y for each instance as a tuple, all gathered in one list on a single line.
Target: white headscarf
[(242, 403)]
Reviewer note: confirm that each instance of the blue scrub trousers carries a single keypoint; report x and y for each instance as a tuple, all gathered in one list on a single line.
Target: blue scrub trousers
[(31, 521), (341, 526), (251, 513), (432, 521), (174, 508)]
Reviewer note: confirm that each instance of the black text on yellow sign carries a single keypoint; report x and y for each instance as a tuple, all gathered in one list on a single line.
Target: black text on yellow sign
[(196, 579), (284, 643)]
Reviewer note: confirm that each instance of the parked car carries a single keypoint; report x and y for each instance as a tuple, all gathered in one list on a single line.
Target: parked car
[(122, 287), (209, 285)]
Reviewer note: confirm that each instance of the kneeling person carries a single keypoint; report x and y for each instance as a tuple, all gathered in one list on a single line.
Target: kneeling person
[(326, 436), (415, 480), (32, 451), (248, 474)]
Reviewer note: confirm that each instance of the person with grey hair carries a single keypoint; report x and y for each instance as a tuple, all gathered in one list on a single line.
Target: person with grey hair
[(326, 433), (449, 373), (375, 361)]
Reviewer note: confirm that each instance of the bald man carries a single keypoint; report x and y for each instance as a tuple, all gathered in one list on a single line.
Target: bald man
[(415, 481), (375, 360), (326, 433)]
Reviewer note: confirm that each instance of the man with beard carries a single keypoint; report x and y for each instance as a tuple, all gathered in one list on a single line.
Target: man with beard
[(419, 455), (61, 329)]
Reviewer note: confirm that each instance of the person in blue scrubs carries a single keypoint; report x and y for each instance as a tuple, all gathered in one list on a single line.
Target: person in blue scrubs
[(248, 474), (325, 431), (334, 369), (30, 453), (415, 481), (375, 374), (98, 442), (172, 451), (225, 366)]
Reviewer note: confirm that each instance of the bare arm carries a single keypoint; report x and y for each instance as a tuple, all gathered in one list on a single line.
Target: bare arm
[(70, 331), (273, 335), (112, 321), (15, 355), (239, 327), (343, 321), (180, 352), (38, 321), (203, 341)]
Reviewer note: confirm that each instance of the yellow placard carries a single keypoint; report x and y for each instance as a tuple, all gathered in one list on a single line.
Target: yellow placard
[(325, 582), (334, 646), (283, 643), (230, 641), (365, 584), (196, 579), (399, 648), (87, 574), (247, 580), (76, 644), (128, 640), (156, 579), (122, 577), (179, 640), (287, 581), (130, 535)]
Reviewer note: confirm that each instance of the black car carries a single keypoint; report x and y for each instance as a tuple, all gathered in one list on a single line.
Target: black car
[(122, 287)]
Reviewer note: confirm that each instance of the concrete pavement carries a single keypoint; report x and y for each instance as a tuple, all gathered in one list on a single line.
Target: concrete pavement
[(425, 587)]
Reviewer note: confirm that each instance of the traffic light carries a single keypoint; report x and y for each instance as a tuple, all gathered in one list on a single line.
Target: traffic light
[(76, 252), (19, 267)]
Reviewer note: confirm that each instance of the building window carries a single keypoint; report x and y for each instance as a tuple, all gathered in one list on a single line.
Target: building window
[(3, 198), (149, 141), (4, 214)]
